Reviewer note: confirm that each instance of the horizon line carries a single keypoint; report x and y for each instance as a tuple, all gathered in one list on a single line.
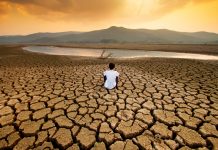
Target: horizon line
[(107, 28)]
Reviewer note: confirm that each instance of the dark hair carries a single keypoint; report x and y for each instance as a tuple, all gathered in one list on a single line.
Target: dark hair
[(111, 66)]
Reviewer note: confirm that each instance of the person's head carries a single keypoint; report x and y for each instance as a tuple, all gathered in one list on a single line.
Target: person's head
[(111, 66)]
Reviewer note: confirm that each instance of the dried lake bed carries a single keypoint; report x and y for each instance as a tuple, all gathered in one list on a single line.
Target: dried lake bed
[(58, 102)]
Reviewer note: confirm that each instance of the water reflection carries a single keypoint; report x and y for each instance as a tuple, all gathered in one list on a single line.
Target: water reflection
[(112, 53)]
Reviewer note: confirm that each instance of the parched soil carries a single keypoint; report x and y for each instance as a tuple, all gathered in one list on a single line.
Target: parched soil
[(58, 102)]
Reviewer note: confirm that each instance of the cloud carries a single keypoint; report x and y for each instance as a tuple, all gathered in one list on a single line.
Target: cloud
[(165, 6), (3, 8), (68, 9), (95, 10), (161, 8)]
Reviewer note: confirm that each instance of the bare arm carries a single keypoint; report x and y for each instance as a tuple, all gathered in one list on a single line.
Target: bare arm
[(117, 82), (105, 78)]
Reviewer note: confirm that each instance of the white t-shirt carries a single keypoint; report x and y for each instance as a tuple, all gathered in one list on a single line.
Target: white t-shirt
[(110, 82)]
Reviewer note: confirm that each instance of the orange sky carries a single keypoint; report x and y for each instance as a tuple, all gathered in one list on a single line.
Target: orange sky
[(30, 16)]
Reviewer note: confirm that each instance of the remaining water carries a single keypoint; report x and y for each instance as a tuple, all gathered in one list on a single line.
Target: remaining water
[(114, 53)]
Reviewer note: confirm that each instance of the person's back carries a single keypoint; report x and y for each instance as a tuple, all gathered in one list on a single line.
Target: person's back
[(111, 77)]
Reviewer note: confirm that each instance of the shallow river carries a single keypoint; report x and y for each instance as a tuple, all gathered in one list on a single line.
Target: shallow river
[(115, 53)]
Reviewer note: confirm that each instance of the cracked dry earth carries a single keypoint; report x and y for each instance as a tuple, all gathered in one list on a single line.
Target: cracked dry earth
[(160, 104)]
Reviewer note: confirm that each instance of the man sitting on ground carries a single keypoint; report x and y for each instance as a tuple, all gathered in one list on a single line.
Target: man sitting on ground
[(111, 77)]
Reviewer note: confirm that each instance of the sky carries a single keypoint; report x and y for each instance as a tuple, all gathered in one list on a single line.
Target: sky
[(31, 16)]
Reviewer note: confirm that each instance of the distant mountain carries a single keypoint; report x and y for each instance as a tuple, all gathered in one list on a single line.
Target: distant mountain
[(115, 35)]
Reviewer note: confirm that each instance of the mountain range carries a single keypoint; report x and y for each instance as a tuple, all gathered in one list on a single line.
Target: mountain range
[(115, 35)]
